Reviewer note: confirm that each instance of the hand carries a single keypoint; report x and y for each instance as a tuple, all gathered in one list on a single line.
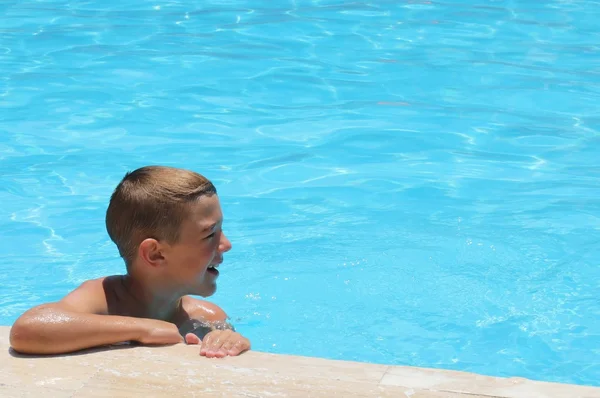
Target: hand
[(220, 343), (156, 332)]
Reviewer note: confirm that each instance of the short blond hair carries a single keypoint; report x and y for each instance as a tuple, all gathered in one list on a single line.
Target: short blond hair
[(152, 202)]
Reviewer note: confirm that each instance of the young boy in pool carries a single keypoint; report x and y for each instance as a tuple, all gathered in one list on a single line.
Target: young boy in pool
[(166, 223)]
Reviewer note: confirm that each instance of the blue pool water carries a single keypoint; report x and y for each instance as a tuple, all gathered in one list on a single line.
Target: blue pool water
[(404, 182)]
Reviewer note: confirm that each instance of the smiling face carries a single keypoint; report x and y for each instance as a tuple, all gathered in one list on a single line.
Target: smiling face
[(191, 262)]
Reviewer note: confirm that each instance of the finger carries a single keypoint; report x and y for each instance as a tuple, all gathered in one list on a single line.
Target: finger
[(218, 339), (206, 343), (191, 338), (239, 347), (211, 343), (226, 346), (217, 342)]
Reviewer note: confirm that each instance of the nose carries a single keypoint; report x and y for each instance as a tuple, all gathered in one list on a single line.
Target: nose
[(224, 244)]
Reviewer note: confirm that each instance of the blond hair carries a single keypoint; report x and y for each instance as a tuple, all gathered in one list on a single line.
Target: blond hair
[(152, 202)]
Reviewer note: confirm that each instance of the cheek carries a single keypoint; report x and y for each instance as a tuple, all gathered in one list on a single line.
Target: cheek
[(189, 258), (209, 248), (196, 256), (201, 255)]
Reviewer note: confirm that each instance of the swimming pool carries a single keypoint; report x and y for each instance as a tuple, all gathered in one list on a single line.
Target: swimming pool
[(404, 182)]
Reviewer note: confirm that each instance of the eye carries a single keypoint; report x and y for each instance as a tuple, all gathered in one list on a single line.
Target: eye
[(210, 236)]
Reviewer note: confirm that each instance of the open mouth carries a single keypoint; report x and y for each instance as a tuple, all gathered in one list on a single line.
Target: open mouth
[(212, 269)]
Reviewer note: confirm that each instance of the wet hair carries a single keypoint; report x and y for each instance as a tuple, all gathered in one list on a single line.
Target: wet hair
[(152, 202)]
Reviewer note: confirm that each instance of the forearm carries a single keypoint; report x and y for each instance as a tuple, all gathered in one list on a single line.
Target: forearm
[(50, 330)]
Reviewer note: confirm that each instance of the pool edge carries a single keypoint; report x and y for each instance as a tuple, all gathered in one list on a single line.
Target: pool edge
[(179, 371)]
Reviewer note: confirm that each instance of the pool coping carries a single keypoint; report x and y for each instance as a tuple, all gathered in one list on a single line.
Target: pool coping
[(178, 370)]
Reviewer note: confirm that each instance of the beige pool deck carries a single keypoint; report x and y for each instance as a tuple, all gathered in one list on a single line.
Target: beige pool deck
[(178, 371)]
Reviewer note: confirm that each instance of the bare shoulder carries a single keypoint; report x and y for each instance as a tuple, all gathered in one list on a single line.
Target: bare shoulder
[(201, 309), (89, 296)]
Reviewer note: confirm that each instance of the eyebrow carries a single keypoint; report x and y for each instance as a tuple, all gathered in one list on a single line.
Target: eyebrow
[(209, 227)]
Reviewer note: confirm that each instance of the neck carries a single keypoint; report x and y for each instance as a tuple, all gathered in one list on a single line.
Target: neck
[(151, 299)]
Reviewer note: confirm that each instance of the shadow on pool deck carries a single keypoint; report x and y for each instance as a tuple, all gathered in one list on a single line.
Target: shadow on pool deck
[(89, 351), (179, 371)]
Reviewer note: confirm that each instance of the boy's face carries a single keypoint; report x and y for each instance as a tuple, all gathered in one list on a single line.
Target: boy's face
[(192, 261)]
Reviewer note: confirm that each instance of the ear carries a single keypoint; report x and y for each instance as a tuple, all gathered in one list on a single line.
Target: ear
[(150, 251)]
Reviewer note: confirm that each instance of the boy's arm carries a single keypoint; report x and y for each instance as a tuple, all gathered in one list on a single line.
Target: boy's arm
[(217, 338), (204, 310), (76, 323)]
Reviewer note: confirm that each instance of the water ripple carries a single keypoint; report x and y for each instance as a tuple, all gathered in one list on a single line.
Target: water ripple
[(431, 165)]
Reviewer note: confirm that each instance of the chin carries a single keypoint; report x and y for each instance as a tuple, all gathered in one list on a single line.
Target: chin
[(205, 291)]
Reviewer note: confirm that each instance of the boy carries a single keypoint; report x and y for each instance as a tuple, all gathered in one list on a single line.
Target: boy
[(166, 223)]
